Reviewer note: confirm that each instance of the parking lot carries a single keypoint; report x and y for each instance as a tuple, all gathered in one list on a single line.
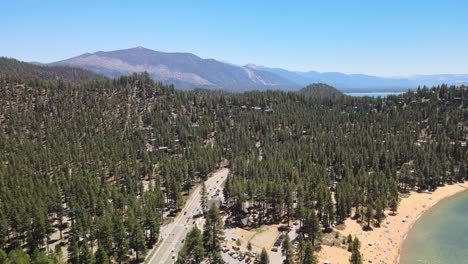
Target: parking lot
[(234, 254)]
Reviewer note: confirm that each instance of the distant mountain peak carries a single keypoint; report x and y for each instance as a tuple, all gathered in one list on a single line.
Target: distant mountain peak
[(184, 70), (254, 66)]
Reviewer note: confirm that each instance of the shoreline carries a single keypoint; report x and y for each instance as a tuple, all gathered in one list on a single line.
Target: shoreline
[(464, 188), (384, 244)]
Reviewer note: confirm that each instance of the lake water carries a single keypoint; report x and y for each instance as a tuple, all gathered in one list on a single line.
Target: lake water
[(374, 94), (440, 235)]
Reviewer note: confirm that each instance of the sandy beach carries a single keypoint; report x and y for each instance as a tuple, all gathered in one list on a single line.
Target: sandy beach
[(383, 245)]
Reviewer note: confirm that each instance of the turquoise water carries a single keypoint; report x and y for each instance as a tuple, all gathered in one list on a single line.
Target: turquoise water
[(374, 94), (440, 235)]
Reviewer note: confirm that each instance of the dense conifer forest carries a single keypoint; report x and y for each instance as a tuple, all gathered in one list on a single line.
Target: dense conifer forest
[(90, 166), (22, 70)]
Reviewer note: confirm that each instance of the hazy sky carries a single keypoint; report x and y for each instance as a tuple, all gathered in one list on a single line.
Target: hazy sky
[(380, 37)]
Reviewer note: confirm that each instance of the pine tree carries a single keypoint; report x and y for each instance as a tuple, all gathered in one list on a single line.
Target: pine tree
[(312, 227), (86, 255), (3, 231), (104, 232), (74, 250), (379, 213), (121, 243), (394, 201), (309, 254), (204, 198), (263, 257), (215, 257), (192, 250), (462, 173), (356, 257), (287, 251), (40, 257), (101, 256), (37, 232), (369, 213), (3, 256), (301, 246), (18, 256), (213, 230), (136, 236)]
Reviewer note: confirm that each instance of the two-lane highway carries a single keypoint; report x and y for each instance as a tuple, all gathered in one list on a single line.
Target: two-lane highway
[(173, 233)]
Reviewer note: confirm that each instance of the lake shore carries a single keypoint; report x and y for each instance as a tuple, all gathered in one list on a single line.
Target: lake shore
[(383, 244)]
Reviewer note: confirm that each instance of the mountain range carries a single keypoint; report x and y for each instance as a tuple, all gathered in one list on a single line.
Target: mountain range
[(184, 70), (188, 71)]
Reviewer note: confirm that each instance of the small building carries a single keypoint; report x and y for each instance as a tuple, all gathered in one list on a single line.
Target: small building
[(247, 223)]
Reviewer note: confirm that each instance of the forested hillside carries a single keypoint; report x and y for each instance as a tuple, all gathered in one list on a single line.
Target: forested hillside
[(90, 160), (320, 90), (22, 70), (96, 163)]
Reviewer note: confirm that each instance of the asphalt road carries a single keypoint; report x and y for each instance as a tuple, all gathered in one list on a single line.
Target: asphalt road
[(173, 233)]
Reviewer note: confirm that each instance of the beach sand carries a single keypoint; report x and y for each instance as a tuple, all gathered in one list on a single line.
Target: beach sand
[(333, 254), (383, 245)]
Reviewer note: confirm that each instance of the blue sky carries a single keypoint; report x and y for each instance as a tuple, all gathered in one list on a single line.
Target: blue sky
[(386, 38)]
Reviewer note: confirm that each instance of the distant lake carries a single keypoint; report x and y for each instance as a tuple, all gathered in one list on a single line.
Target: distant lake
[(441, 235), (374, 94)]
